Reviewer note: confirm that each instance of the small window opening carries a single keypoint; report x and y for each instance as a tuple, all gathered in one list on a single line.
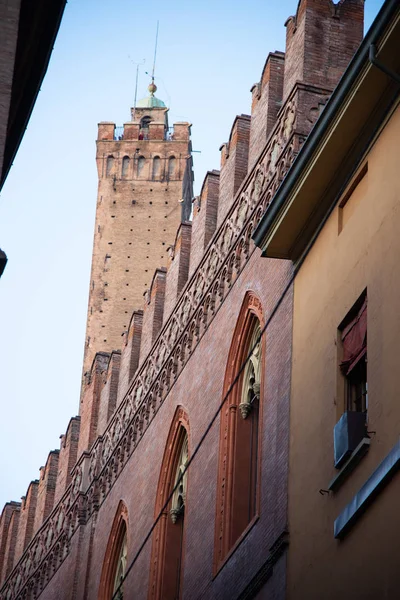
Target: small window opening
[(110, 165), (156, 167), (140, 164), (125, 166)]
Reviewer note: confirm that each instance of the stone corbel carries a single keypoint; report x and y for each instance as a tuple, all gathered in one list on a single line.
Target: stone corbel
[(175, 513), (245, 409)]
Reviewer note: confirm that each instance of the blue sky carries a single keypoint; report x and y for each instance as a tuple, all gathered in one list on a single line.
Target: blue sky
[(209, 55)]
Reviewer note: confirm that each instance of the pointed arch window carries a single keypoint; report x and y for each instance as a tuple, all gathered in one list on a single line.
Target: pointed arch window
[(156, 167), (238, 470), (140, 165), (109, 165), (120, 569), (125, 166), (115, 560), (145, 122), (171, 167), (168, 538)]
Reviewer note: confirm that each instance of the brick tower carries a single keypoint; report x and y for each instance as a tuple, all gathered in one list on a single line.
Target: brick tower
[(144, 192)]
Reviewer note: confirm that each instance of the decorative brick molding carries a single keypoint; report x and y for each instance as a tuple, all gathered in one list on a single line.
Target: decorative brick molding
[(226, 256)]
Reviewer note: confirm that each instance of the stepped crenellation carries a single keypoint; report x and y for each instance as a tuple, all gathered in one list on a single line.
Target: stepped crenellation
[(130, 353), (178, 267), (266, 103), (126, 383), (234, 164), (204, 218)]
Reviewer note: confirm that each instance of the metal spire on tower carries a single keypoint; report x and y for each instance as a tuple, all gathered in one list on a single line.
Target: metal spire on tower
[(155, 55)]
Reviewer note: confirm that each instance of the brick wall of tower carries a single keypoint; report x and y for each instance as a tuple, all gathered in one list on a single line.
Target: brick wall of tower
[(137, 215)]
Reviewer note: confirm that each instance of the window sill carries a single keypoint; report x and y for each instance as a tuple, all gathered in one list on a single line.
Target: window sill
[(350, 464), (368, 492)]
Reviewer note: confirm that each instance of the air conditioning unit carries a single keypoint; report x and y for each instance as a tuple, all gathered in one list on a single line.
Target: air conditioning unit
[(347, 434)]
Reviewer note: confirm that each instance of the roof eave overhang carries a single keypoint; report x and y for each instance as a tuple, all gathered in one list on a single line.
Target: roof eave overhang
[(38, 26), (336, 145)]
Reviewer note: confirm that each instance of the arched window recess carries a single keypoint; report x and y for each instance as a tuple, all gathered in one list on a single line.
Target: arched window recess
[(140, 165), (251, 376), (144, 128), (109, 165), (179, 496), (238, 468), (171, 166), (120, 569), (167, 546), (156, 167), (115, 559), (125, 166)]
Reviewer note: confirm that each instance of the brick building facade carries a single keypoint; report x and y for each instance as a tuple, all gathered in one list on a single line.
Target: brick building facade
[(174, 480)]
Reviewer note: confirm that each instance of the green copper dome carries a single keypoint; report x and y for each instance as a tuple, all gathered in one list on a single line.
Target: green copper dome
[(151, 101)]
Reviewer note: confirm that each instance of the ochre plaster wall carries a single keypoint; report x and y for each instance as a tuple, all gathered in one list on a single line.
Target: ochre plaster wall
[(365, 254)]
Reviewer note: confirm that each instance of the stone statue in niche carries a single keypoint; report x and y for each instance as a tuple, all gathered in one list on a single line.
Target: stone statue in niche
[(257, 186), (251, 378), (179, 497), (289, 122), (77, 481), (274, 155), (120, 571)]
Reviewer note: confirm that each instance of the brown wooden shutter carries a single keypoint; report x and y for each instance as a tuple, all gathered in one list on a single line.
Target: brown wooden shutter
[(354, 339)]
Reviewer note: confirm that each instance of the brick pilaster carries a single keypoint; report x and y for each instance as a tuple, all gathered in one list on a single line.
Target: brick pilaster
[(153, 311), (266, 102), (178, 268), (108, 396), (90, 401), (130, 353), (205, 212), (234, 163), (321, 39), (46, 489), (27, 519), (68, 456)]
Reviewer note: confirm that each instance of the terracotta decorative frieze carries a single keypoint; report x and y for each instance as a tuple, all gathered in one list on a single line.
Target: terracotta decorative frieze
[(224, 259)]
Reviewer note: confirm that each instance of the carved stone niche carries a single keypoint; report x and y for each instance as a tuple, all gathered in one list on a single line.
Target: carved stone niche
[(180, 483), (251, 377)]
